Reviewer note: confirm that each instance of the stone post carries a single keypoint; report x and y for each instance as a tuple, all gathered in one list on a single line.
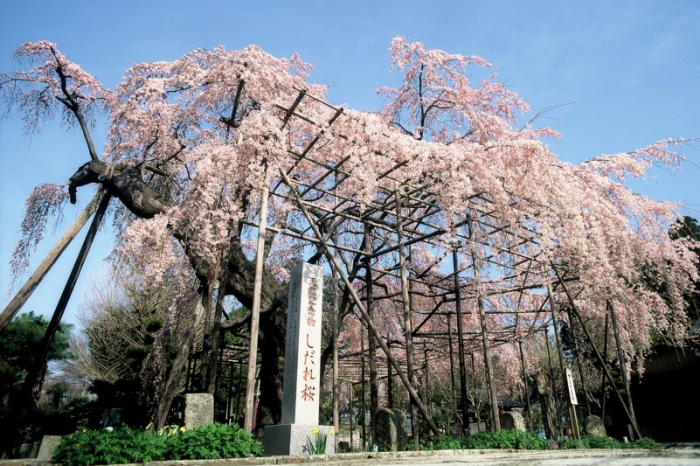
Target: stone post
[(302, 381)]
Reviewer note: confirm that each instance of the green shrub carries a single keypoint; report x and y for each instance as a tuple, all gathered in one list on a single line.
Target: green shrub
[(510, 439), (125, 445), (520, 440), (647, 443), (607, 443), (515, 439), (213, 441)]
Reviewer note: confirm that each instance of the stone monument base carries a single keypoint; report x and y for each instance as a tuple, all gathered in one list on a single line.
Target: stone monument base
[(292, 439)]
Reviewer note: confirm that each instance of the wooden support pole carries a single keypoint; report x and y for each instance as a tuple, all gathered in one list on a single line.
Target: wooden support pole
[(358, 302), (579, 364), (363, 406), (562, 364), (34, 379), (336, 381), (389, 376), (372, 343), (255, 315), (574, 307), (35, 279), (407, 319), (464, 404), (623, 363), (527, 386), (453, 385), (493, 400), (603, 388)]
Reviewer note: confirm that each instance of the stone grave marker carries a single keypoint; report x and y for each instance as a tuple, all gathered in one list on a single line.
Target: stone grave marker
[(301, 385), (391, 430)]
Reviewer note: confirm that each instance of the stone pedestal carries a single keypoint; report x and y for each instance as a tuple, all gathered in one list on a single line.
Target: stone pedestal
[(199, 409), (293, 439), (302, 367)]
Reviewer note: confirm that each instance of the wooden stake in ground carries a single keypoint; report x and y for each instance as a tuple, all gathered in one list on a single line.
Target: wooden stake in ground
[(255, 315)]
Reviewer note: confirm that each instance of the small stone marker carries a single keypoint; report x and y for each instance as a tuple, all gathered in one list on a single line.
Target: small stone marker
[(48, 445), (593, 425), (512, 420), (302, 366), (391, 430), (199, 409)]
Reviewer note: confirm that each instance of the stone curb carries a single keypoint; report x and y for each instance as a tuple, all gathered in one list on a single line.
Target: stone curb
[(378, 457)]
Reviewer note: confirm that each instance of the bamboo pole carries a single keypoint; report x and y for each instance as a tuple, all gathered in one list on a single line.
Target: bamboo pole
[(35, 279), (255, 315)]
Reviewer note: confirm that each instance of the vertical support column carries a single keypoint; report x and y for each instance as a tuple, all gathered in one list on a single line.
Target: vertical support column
[(464, 404), (495, 418), (372, 342), (336, 391), (453, 388), (579, 364), (562, 363), (255, 315), (527, 386), (407, 320), (389, 375), (363, 406)]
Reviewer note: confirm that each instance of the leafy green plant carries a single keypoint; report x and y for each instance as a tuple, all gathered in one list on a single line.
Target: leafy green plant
[(317, 444), (607, 443), (212, 441), (125, 445), (646, 443), (510, 439)]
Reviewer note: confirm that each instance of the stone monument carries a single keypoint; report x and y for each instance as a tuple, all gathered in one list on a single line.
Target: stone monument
[(302, 360), (199, 409)]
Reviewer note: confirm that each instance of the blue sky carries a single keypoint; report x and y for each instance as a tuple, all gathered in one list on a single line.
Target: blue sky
[(632, 67)]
